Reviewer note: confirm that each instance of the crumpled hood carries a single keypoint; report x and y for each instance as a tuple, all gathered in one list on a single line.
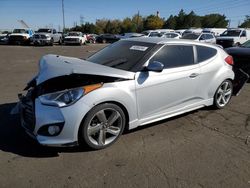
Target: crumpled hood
[(51, 66)]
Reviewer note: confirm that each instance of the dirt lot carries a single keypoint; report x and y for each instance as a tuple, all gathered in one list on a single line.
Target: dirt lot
[(205, 148)]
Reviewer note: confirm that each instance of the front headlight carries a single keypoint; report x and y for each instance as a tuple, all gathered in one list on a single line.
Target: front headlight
[(67, 97)]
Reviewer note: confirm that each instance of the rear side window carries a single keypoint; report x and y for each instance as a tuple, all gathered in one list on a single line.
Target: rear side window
[(175, 56), (204, 53)]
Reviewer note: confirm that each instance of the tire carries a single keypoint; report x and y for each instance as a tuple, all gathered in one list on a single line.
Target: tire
[(51, 42), (60, 41), (104, 41), (223, 94), (102, 126)]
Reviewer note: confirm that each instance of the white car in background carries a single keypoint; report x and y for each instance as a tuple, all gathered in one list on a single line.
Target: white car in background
[(216, 31), (172, 35), (129, 35), (157, 32), (75, 37), (201, 37)]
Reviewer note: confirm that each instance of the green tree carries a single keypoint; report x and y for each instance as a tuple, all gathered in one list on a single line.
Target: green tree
[(192, 20), (170, 23), (214, 20), (128, 26), (180, 20), (138, 21), (246, 23), (153, 22)]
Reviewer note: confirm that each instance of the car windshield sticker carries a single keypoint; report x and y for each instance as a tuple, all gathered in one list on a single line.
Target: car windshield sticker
[(139, 48)]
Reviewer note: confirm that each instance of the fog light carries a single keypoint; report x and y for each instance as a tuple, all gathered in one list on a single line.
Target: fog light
[(52, 130)]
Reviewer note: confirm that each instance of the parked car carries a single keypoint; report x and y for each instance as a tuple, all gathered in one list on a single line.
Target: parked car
[(216, 31), (201, 37), (172, 35), (21, 36), (75, 37), (45, 36), (233, 37), (157, 32), (4, 38), (130, 35), (130, 83), (241, 56), (91, 38), (180, 31), (107, 38), (192, 30)]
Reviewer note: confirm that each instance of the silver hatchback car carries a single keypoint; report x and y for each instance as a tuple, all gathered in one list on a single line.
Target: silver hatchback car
[(127, 84)]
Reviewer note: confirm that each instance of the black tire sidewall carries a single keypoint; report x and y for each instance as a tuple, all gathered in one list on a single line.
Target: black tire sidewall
[(83, 137)]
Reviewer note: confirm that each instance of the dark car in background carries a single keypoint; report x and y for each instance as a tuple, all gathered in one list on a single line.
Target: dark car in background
[(107, 38), (241, 56)]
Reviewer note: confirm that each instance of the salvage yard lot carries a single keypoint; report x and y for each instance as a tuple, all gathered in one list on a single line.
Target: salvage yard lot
[(204, 148)]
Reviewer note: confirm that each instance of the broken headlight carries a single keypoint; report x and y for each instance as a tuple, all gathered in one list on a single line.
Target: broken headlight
[(62, 98), (67, 97)]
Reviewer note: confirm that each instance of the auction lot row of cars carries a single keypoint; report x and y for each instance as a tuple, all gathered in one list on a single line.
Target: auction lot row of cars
[(44, 36)]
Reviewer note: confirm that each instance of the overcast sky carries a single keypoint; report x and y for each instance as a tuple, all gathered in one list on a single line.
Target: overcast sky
[(41, 13)]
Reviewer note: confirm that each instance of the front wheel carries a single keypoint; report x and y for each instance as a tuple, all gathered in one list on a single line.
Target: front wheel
[(223, 94), (102, 126)]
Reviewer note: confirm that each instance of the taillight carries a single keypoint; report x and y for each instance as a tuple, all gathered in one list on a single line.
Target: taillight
[(229, 60)]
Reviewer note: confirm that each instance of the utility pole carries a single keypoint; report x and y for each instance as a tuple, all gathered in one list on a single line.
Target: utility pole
[(63, 15), (137, 21)]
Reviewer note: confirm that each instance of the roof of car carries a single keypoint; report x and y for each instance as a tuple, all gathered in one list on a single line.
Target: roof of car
[(159, 40)]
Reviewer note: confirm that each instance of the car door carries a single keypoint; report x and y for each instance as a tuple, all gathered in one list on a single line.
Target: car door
[(172, 90)]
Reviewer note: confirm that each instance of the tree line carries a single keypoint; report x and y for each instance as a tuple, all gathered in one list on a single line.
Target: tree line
[(138, 23)]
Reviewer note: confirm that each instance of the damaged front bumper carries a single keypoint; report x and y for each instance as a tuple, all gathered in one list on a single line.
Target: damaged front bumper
[(37, 120)]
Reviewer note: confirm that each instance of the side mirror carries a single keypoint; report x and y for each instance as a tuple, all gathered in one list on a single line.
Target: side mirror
[(155, 66)]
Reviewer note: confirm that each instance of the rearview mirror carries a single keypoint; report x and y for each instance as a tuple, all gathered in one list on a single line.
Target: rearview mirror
[(155, 66)]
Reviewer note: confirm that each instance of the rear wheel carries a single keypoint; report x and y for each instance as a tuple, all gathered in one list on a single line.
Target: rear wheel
[(223, 94), (102, 126)]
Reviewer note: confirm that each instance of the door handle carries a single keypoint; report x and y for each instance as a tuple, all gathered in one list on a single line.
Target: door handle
[(193, 75)]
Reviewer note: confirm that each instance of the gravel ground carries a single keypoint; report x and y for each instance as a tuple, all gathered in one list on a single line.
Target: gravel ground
[(204, 148)]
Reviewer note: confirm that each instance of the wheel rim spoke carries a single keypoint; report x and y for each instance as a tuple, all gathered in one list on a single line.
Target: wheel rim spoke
[(223, 100), (94, 129), (102, 137), (225, 86), (101, 116), (113, 130), (220, 91), (228, 92), (114, 116), (219, 99)]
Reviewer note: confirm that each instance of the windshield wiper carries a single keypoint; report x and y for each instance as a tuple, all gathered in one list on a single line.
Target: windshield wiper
[(115, 62)]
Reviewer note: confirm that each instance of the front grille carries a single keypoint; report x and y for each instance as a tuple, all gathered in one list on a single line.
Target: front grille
[(71, 39), (28, 114), (225, 43), (36, 36), (16, 38)]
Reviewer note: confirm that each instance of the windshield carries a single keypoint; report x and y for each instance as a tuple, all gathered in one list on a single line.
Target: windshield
[(122, 54), (20, 31), (246, 44), (191, 36), (145, 33), (74, 34), (44, 31), (231, 33)]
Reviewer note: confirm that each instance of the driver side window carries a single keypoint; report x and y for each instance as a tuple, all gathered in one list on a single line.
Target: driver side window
[(173, 56)]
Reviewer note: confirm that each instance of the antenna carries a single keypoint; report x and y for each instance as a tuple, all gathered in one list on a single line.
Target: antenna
[(23, 23)]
